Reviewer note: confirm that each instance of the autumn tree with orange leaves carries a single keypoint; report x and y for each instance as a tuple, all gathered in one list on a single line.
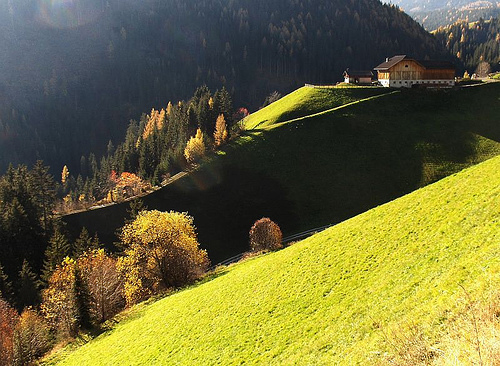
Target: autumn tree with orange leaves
[(265, 234), (8, 321), (31, 337)]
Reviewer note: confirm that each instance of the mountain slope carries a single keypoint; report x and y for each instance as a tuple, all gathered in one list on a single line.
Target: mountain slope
[(326, 168), (332, 298), (434, 14), (73, 73), (473, 43)]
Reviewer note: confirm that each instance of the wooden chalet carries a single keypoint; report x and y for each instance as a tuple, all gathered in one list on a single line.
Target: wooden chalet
[(403, 72), (358, 77)]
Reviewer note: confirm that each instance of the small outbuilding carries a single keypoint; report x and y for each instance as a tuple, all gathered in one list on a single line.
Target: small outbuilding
[(358, 77), (404, 72)]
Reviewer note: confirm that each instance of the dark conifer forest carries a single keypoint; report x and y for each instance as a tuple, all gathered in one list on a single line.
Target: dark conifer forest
[(73, 74)]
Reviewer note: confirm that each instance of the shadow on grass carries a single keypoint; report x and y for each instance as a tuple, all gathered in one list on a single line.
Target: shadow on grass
[(333, 167)]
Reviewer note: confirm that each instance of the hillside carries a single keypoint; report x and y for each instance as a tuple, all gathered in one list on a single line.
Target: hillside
[(434, 14), (335, 297), (73, 73), (326, 168), (473, 43)]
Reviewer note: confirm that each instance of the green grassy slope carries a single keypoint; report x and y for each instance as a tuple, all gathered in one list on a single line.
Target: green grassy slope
[(327, 168), (306, 101), (331, 298)]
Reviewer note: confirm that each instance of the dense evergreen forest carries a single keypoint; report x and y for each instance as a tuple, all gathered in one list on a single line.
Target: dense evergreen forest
[(476, 45), (72, 74)]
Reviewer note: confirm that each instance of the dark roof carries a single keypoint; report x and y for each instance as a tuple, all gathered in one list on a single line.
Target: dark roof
[(390, 62), (428, 64), (357, 73), (434, 64)]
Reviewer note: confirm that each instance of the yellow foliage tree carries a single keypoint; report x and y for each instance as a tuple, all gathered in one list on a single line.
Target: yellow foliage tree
[(156, 121), (195, 148), (59, 304), (162, 252), (220, 134), (64, 174)]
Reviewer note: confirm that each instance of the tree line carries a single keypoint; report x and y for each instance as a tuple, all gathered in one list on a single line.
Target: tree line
[(476, 45), (88, 286), (162, 143)]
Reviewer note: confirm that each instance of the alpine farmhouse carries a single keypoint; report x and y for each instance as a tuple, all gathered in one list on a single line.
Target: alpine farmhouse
[(403, 72)]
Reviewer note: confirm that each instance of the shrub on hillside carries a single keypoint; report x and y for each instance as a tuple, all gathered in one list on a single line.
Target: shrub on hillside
[(265, 234), (8, 321), (103, 284), (31, 338), (162, 252)]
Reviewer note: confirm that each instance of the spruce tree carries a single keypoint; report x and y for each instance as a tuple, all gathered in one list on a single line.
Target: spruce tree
[(44, 196), (27, 287), (82, 243), (82, 300), (56, 251), (5, 286)]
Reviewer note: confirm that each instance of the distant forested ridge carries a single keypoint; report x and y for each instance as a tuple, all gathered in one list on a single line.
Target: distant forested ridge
[(433, 14), (72, 74), (476, 45)]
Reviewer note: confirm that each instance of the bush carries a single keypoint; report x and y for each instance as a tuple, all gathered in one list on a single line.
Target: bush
[(103, 284), (8, 321), (162, 252), (31, 338), (265, 234)]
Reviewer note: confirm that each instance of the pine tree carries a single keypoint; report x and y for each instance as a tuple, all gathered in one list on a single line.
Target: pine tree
[(27, 287), (135, 206), (5, 286), (82, 243), (82, 299), (44, 196), (224, 105), (56, 251)]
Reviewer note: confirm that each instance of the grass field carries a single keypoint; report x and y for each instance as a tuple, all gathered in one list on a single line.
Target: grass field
[(331, 299), (306, 101), (327, 168)]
